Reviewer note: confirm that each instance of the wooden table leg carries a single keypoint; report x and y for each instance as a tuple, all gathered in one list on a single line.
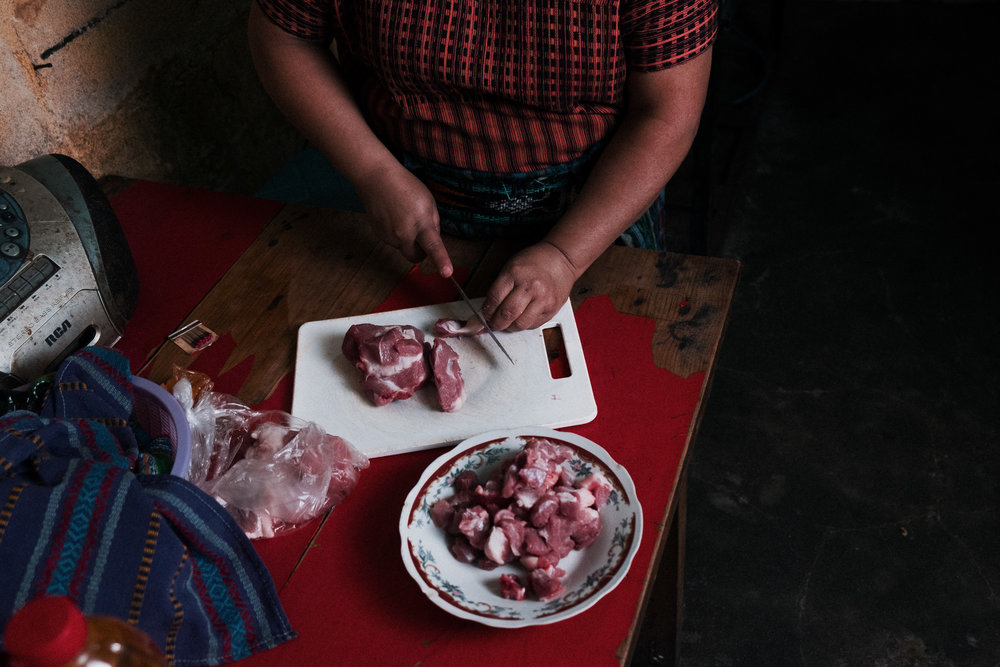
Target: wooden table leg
[(662, 614), (670, 578), (674, 576)]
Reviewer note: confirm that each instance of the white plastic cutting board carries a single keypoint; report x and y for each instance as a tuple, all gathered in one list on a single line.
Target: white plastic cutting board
[(500, 395)]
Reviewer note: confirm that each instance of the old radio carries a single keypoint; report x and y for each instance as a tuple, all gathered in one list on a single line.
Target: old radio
[(67, 275)]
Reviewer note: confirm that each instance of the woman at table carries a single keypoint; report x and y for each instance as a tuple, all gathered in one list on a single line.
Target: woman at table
[(558, 123)]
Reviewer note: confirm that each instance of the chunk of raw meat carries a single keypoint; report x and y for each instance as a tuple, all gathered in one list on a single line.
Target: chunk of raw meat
[(488, 495), (534, 543), (558, 534), (442, 513), (513, 529), (463, 551), (497, 547), (389, 358), (475, 524), (466, 481), (586, 528), (287, 475), (447, 376), (598, 485), (535, 470), (452, 328), (511, 587), (543, 510), (546, 582)]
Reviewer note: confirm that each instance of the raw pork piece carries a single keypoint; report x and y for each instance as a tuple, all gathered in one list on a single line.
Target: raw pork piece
[(598, 485), (511, 587), (546, 582), (535, 470), (475, 524), (447, 376), (389, 358), (452, 328)]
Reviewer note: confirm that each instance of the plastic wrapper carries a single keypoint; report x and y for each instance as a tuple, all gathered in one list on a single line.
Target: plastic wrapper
[(272, 471)]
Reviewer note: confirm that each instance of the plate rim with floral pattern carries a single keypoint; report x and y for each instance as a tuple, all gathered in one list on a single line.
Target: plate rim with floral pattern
[(471, 593)]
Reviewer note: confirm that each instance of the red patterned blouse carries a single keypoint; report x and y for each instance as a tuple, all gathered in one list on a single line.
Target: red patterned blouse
[(497, 86)]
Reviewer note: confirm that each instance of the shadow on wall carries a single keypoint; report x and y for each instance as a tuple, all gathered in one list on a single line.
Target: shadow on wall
[(140, 88)]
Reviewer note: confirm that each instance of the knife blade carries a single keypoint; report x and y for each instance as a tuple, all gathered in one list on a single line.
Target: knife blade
[(465, 298)]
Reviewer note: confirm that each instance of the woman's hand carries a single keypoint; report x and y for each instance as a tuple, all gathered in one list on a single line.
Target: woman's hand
[(405, 215), (531, 288)]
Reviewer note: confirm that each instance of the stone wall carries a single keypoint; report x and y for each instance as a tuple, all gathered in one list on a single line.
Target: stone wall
[(159, 90)]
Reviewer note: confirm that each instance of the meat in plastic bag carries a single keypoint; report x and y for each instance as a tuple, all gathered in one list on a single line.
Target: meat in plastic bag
[(272, 471), (218, 423)]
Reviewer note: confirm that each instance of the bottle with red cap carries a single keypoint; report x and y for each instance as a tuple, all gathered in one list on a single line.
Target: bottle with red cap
[(52, 632)]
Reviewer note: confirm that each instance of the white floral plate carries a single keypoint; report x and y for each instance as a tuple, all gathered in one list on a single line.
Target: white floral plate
[(472, 593)]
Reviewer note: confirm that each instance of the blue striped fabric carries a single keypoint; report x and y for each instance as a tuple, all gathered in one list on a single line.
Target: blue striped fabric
[(151, 549)]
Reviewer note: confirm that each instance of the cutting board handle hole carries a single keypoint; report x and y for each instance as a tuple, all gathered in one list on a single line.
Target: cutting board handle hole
[(555, 350)]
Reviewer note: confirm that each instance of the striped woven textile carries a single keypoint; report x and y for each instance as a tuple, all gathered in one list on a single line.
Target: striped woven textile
[(151, 549)]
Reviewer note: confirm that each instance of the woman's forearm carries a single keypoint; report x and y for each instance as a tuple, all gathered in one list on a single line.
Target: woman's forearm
[(656, 134)]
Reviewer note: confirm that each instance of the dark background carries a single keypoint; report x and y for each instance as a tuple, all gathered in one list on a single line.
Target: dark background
[(843, 496)]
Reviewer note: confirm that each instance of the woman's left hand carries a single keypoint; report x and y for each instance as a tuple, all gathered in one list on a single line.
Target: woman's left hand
[(531, 288)]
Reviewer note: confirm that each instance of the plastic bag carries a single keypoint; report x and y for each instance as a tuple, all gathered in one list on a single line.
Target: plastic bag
[(272, 471), (218, 424)]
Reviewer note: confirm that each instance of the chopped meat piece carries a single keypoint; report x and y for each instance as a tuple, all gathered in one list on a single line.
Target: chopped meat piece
[(442, 513), (586, 528), (514, 531), (466, 481), (511, 587), (488, 495), (558, 534), (390, 360), (463, 551), (447, 376), (506, 541), (534, 542), (497, 547), (543, 510), (452, 328), (475, 524), (536, 469), (598, 485), (573, 502), (485, 563), (546, 582)]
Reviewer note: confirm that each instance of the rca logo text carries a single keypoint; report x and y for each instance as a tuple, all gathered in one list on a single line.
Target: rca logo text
[(57, 333)]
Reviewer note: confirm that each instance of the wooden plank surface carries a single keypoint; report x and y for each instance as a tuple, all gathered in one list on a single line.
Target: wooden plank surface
[(687, 295)]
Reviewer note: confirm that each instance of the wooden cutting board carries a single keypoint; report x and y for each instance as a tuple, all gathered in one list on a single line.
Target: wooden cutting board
[(500, 395)]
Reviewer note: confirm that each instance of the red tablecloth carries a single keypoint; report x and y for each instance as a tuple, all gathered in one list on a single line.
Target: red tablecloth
[(350, 598)]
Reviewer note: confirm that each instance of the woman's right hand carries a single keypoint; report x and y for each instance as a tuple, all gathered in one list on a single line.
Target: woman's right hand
[(405, 215)]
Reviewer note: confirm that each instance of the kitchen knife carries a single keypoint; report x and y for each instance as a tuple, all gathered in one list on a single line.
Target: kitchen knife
[(461, 293)]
